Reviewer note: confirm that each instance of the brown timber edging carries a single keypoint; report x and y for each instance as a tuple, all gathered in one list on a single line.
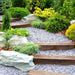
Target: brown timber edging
[(37, 72), (21, 25), (13, 20), (54, 59), (56, 46)]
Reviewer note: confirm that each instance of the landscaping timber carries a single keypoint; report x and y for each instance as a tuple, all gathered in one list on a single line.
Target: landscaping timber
[(54, 59), (36, 72), (22, 25), (56, 46)]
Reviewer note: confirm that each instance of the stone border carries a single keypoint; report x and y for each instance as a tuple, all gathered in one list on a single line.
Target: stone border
[(37, 72), (56, 46), (54, 59)]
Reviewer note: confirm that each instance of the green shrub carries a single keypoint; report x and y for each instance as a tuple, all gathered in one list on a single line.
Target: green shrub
[(35, 3), (70, 33), (44, 14), (57, 23), (18, 31), (6, 21), (29, 48), (19, 3), (6, 41), (38, 24), (17, 12), (17, 48), (4, 4)]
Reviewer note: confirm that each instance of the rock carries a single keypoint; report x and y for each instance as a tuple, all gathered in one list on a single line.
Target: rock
[(15, 40), (72, 22), (18, 60), (18, 40), (30, 18)]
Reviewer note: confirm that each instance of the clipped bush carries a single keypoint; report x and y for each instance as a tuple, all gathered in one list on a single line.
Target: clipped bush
[(38, 24), (44, 14), (19, 3), (70, 33), (6, 21), (57, 23), (29, 48), (17, 12), (18, 31)]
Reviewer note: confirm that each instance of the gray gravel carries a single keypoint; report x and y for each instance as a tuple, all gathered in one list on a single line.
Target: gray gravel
[(67, 69), (0, 17), (4, 70), (40, 35), (57, 52), (17, 22)]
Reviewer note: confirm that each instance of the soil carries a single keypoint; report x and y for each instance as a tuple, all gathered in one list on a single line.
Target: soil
[(4, 48)]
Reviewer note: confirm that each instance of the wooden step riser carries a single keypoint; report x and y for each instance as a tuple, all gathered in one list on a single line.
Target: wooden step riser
[(37, 72), (56, 46), (60, 60)]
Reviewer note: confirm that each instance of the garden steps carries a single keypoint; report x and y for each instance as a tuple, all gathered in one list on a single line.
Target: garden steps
[(54, 59), (56, 46), (21, 25), (37, 72)]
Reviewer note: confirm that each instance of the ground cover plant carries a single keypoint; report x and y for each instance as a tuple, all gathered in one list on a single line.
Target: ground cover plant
[(70, 33), (18, 31), (38, 24), (18, 12), (6, 39), (29, 48)]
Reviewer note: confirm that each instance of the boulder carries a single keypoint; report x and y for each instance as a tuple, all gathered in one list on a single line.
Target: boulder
[(72, 22), (30, 18), (15, 40), (18, 40), (18, 60)]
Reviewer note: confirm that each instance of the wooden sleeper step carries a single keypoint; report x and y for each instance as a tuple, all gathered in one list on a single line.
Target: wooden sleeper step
[(36, 72), (54, 59)]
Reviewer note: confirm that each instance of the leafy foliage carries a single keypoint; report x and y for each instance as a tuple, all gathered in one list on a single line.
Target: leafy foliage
[(57, 23), (6, 21), (17, 12), (4, 4), (19, 3), (45, 14), (18, 31), (29, 48), (35, 3), (6, 41), (49, 3), (70, 33), (38, 24)]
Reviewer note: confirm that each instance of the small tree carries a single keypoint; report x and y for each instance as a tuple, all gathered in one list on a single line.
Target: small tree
[(6, 21), (6, 41)]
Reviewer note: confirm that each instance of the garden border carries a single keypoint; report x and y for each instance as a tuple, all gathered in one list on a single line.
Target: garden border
[(37, 72), (56, 46), (14, 19), (54, 59)]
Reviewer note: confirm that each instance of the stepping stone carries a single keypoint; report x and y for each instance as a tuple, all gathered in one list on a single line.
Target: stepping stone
[(36, 72)]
